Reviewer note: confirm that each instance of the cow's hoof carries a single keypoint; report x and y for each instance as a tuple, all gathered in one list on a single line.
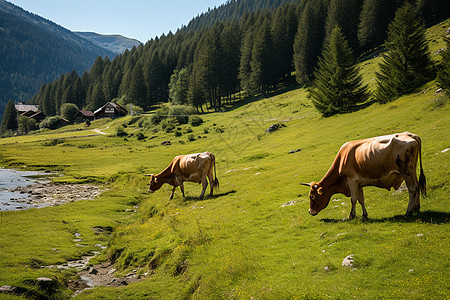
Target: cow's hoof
[(365, 218), (351, 217)]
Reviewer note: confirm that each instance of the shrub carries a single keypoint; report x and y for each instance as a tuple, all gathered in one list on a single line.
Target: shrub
[(168, 125), (178, 133), (68, 111), (120, 131), (141, 136), (191, 137), (180, 112), (50, 122), (195, 120)]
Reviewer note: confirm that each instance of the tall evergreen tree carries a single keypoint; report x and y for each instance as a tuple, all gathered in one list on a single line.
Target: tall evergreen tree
[(244, 65), (338, 87), (443, 75), (178, 87), (345, 14), (9, 121), (309, 40), (137, 91), (407, 64), (374, 20), (263, 62)]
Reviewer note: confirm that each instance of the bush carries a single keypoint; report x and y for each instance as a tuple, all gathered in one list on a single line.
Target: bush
[(195, 120), (68, 111), (141, 136), (168, 125), (180, 112), (50, 122), (191, 137), (121, 131), (178, 133)]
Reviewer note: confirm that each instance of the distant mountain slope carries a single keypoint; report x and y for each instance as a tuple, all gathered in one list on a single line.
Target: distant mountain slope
[(114, 42), (34, 50)]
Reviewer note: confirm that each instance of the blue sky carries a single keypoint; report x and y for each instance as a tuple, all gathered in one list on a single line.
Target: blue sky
[(140, 19)]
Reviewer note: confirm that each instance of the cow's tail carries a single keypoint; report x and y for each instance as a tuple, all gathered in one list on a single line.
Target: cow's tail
[(422, 178), (213, 163)]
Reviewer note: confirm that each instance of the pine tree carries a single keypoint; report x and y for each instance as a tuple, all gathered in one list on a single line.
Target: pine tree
[(338, 86), (374, 19), (407, 64), (345, 14), (137, 91), (263, 62), (443, 75), (308, 40), (9, 121)]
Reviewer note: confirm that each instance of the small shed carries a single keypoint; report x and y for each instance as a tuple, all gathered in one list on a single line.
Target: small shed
[(84, 115), (110, 110)]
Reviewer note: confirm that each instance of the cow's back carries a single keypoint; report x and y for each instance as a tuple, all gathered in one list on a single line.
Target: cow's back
[(191, 167), (378, 156)]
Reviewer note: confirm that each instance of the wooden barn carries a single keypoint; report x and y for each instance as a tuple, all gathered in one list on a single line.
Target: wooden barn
[(84, 115), (110, 110)]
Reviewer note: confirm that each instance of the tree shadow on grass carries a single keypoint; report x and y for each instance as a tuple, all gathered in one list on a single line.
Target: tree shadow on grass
[(207, 197), (428, 216)]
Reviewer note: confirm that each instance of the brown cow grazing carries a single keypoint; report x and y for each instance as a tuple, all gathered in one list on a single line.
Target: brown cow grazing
[(383, 161), (191, 167)]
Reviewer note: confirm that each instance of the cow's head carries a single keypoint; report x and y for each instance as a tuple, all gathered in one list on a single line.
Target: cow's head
[(154, 183), (318, 199)]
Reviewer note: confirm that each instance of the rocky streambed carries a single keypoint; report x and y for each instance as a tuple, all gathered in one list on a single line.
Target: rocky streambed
[(47, 193)]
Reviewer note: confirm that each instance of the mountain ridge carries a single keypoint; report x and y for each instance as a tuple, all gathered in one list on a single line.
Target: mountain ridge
[(113, 42), (35, 51)]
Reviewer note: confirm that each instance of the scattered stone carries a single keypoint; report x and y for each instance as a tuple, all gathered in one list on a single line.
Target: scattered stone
[(419, 235), (348, 261), (289, 203), (7, 289), (93, 271), (45, 282), (273, 127), (445, 150), (294, 151), (327, 269), (411, 270)]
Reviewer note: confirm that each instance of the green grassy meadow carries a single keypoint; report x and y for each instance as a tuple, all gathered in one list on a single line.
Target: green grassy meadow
[(242, 243)]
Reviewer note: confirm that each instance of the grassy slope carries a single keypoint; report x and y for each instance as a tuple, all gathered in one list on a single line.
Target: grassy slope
[(242, 243)]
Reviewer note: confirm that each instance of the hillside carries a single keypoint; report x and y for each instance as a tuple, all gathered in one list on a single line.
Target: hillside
[(114, 42), (35, 51), (254, 238)]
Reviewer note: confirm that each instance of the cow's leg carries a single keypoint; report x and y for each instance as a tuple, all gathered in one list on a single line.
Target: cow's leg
[(354, 197), (211, 182), (361, 201), (413, 189), (204, 186), (173, 192), (182, 189)]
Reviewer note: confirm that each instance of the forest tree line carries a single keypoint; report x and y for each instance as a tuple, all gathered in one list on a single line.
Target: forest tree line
[(253, 53)]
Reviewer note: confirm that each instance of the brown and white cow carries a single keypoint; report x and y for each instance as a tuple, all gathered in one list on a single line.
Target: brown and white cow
[(196, 168), (383, 161)]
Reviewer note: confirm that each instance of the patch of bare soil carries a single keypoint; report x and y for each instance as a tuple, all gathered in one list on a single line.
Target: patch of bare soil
[(102, 275)]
